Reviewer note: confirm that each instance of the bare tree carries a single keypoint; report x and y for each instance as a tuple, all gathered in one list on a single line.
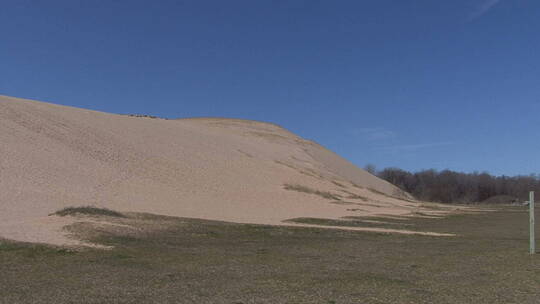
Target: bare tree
[(455, 187)]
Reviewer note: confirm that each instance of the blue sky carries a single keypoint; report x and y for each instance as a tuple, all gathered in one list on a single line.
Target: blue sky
[(408, 83)]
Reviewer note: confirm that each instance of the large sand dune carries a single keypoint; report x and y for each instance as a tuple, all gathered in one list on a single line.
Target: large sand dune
[(233, 170)]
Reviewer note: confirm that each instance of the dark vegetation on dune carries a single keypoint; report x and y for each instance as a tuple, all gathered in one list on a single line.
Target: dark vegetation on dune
[(305, 189), (464, 188), (87, 210), (145, 116)]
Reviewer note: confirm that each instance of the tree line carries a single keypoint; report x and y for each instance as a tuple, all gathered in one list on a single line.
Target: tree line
[(448, 186)]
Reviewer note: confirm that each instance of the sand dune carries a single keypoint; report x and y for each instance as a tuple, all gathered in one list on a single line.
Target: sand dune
[(233, 170)]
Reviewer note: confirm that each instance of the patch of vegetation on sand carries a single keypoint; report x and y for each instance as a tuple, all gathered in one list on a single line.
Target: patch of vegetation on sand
[(355, 196), (349, 222), (87, 210), (377, 192), (342, 203), (338, 184), (325, 194), (145, 116)]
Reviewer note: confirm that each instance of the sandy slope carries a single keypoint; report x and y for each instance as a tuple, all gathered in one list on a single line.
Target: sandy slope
[(221, 169)]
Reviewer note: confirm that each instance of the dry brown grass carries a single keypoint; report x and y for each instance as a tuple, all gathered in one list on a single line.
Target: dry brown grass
[(197, 261)]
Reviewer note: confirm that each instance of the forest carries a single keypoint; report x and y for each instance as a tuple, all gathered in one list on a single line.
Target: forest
[(448, 186)]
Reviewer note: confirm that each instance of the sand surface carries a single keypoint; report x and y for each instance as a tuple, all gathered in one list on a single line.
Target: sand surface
[(232, 170)]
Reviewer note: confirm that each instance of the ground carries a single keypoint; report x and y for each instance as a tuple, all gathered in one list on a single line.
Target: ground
[(176, 260)]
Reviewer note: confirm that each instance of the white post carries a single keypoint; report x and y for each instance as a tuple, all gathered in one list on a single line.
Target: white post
[(532, 249)]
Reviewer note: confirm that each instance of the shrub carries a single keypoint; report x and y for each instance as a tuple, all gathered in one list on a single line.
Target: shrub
[(88, 210)]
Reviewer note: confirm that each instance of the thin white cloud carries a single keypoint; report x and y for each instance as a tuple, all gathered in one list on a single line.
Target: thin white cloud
[(483, 8), (377, 133)]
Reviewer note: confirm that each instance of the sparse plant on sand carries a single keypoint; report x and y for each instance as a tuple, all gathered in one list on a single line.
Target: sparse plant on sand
[(87, 210), (300, 188)]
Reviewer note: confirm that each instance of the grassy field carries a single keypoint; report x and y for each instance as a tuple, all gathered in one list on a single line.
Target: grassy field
[(172, 260)]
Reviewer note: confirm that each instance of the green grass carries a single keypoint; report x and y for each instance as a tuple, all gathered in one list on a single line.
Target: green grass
[(87, 210), (198, 261), (30, 250)]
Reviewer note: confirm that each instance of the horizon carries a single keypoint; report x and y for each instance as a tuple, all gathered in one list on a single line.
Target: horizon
[(413, 85)]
